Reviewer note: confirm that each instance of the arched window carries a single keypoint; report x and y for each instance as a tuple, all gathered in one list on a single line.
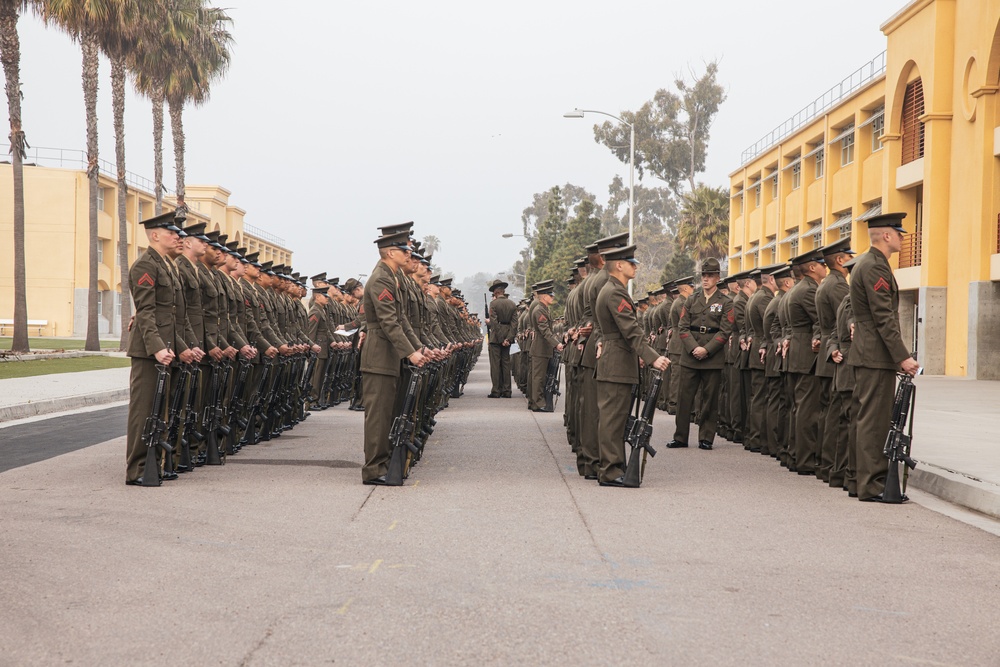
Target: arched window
[(913, 129)]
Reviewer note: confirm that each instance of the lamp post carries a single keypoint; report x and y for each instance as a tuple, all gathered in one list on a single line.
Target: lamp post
[(508, 235)]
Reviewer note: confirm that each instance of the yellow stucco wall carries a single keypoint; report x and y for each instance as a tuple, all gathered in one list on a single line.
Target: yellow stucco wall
[(953, 46), (57, 241)]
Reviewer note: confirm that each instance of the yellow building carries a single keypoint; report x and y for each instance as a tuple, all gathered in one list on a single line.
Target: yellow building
[(57, 239), (916, 130)]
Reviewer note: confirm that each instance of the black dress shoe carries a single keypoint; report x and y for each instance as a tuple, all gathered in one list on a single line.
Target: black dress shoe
[(617, 481), (491, 395), (168, 476), (541, 410), (704, 444), (851, 494), (738, 438), (378, 481), (134, 482), (806, 471), (676, 444), (873, 499), (183, 468), (590, 477)]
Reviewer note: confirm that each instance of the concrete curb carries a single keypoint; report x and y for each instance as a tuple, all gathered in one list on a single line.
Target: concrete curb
[(62, 404), (75, 354), (957, 488)]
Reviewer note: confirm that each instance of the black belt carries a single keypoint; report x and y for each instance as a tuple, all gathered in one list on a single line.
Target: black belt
[(704, 330)]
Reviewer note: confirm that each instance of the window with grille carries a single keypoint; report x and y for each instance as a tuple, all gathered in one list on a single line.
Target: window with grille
[(819, 164), (878, 129), (756, 196), (797, 176), (913, 129), (100, 252), (847, 150), (774, 186), (845, 232), (100, 199), (793, 248)]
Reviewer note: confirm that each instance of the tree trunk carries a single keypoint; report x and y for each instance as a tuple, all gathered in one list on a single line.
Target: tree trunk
[(177, 128), (158, 144), (10, 54), (90, 72), (118, 104)]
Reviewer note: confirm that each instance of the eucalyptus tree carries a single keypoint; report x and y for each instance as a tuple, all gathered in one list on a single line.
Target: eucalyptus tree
[(10, 55)]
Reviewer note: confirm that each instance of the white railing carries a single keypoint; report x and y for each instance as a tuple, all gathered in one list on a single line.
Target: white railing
[(263, 236), (65, 158), (858, 79)]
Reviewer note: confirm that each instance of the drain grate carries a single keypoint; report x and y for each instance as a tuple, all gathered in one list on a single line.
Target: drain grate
[(297, 462)]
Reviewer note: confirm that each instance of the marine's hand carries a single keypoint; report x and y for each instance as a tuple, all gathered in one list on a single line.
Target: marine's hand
[(909, 366), (164, 356), (661, 363)]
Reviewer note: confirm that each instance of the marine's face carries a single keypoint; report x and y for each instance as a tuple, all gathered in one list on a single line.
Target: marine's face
[(709, 281)]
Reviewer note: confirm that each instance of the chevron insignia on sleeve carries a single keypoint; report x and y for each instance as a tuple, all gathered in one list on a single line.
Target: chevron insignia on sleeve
[(732, 317), (386, 294), (146, 280), (542, 318), (624, 305), (881, 284), (314, 319), (246, 302)]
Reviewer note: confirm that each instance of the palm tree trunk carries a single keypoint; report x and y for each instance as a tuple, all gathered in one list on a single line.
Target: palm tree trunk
[(177, 128), (10, 54), (157, 97), (118, 104), (90, 72)]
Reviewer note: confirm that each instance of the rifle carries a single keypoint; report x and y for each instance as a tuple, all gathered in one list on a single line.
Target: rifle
[(401, 433), (552, 381), (191, 417), (174, 421), (486, 310), (641, 432), (209, 418), (234, 408), (249, 424), (898, 442), (153, 430), (633, 411)]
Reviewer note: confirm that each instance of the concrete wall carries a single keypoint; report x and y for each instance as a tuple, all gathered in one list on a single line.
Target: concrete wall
[(984, 331)]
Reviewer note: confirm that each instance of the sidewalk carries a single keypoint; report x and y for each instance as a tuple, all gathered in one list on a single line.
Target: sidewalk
[(59, 392), (956, 437)]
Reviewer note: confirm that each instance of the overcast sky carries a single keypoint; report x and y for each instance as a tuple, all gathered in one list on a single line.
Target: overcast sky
[(336, 118)]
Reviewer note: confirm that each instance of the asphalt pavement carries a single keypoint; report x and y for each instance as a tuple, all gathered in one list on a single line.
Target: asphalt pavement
[(495, 552)]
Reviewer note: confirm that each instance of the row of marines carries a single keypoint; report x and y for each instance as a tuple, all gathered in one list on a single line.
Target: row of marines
[(224, 351), (765, 358)]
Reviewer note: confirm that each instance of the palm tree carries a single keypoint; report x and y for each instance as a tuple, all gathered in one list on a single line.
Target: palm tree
[(118, 40), (160, 51), (431, 244), (10, 54), (704, 224), (205, 58), (85, 20)]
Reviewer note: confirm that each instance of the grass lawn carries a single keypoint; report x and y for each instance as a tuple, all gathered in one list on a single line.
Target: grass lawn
[(22, 369), (56, 343)]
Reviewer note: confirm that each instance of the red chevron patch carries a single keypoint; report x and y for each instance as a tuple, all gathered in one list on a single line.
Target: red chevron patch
[(542, 318), (624, 305), (314, 319), (386, 294), (732, 317), (146, 280), (881, 284)]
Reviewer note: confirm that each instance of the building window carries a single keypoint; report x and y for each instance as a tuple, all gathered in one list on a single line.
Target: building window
[(793, 248), (817, 239), (100, 303), (756, 196), (755, 259), (100, 251), (142, 211), (100, 199), (847, 150), (819, 164), (913, 129), (845, 232), (797, 176), (878, 129), (774, 191)]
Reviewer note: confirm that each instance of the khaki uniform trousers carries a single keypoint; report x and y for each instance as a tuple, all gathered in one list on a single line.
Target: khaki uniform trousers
[(142, 389), (708, 380), (379, 396), (500, 369), (874, 394), (612, 412)]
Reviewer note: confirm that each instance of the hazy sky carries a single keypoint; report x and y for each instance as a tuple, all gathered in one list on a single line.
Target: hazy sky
[(341, 117)]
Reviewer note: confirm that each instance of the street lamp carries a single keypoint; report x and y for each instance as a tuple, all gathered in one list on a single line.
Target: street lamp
[(509, 235), (578, 113)]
